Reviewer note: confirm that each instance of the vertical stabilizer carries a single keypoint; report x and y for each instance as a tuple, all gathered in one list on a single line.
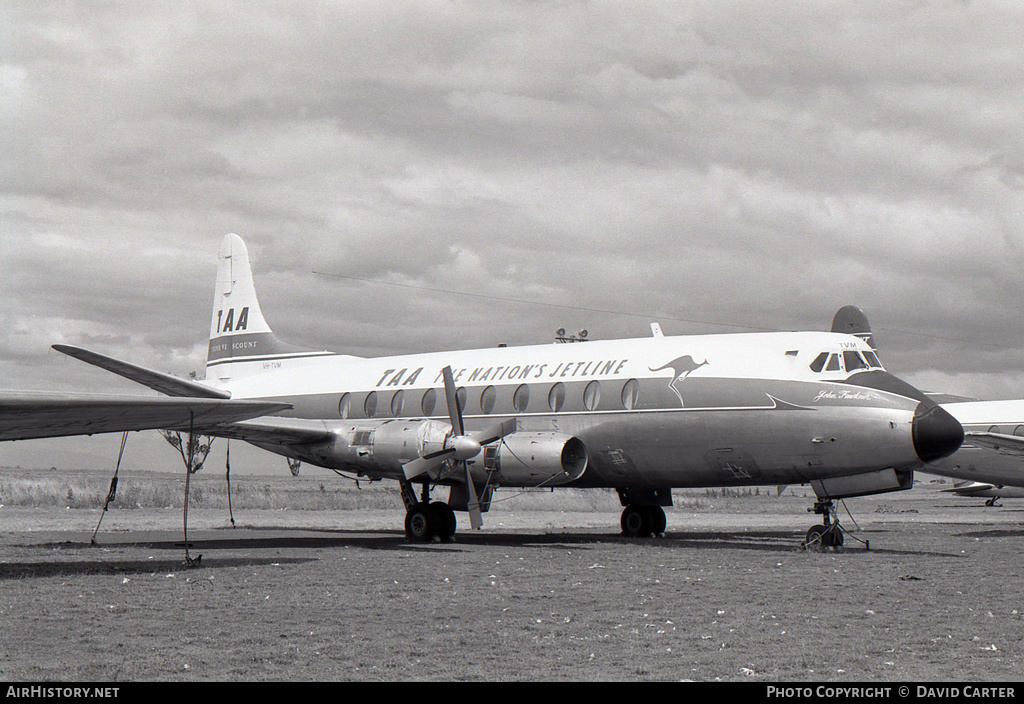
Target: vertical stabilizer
[(850, 320), (241, 342)]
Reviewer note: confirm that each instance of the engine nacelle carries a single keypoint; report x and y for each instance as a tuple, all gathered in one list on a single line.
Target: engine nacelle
[(375, 446), (530, 459)]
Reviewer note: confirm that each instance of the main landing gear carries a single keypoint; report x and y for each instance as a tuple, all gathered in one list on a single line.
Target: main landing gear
[(640, 521), (426, 520), (642, 513), (828, 535)]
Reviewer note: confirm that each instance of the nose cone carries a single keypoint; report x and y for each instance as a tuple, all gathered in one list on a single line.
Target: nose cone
[(936, 433)]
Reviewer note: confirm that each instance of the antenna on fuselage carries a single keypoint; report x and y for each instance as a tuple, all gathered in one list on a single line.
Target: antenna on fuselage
[(561, 337)]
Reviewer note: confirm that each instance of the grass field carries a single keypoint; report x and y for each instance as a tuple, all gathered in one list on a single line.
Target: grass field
[(82, 489), (542, 593)]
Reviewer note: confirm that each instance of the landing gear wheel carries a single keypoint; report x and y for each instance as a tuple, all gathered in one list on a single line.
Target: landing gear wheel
[(836, 536), (816, 538), (421, 523), (821, 538), (658, 521), (446, 522), (637, 521)]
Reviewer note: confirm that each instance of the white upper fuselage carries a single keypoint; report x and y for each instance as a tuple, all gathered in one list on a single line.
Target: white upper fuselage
[(754, 356)]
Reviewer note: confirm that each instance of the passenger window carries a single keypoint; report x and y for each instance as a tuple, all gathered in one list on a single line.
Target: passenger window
[(833, 363), (397, 403), (370, 404), (487, 399), (428, 402), (521, 398), (592, 395), (345, 405), (819, 362), (556, 397), (630, 394)]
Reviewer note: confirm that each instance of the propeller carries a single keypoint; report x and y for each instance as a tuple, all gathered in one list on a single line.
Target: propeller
[(460, 446)]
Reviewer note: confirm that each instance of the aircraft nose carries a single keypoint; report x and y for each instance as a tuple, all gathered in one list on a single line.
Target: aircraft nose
[(936, 433)]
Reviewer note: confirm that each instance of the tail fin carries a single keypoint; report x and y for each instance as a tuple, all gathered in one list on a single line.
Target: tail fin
[(852, 321), (241, 342)]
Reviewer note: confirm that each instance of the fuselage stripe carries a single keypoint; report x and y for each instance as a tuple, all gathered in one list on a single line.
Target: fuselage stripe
[(269, 357)]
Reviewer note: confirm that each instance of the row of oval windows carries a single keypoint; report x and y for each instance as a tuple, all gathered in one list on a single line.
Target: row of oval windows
[(488, 399), (1018, 431)]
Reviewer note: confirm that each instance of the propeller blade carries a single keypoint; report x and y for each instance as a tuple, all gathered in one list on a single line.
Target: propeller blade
[(495, 432), (473, 505), (427, 462), (454, 410)]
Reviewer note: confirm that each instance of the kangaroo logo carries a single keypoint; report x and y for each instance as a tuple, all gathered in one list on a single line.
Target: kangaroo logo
[(681, 367)]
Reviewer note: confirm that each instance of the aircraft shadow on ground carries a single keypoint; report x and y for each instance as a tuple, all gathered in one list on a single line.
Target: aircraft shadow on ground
[(243, 550), (39, 570), (997, 533)]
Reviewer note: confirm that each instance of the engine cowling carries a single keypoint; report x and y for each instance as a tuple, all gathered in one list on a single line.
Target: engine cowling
[(537, 458)]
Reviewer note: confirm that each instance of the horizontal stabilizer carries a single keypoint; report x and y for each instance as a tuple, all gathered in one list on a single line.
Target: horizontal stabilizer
[(158, 381), (970, 488), (28, 416)]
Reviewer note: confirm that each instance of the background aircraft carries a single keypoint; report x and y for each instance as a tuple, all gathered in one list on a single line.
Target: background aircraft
[(990, 463), (642, 416)]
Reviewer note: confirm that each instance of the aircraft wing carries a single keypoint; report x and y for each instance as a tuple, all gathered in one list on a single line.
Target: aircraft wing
[(277, 431), (1004, 444), (28, 416), (164, 383)]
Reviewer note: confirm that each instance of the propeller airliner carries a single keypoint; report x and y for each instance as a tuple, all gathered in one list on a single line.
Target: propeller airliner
[(642, 416)]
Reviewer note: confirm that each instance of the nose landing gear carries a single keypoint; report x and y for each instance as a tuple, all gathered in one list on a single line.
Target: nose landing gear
[(827, 536)]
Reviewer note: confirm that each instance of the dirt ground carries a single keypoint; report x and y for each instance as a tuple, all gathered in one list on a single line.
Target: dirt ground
[(727, 594)]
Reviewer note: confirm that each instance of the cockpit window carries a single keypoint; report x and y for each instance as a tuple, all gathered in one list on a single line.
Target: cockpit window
[(853, 361), (819, 362), (850, 359)]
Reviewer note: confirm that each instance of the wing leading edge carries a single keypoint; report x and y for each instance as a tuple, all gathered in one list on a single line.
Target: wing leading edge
[(205, 409), (27, 416)]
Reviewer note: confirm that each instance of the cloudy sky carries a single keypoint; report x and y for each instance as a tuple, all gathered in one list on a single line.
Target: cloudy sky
[(414, 176)]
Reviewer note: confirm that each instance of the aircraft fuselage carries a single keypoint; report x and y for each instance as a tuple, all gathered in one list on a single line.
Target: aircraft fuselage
[(713, 410)]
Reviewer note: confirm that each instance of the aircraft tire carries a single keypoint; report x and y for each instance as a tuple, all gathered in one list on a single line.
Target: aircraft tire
[(834, 536), (421, 523), (821, 538), (636, 521), (658, 520), (817, 538), (446, 522)]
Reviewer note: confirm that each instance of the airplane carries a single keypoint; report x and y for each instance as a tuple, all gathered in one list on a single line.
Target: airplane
[(642, 416), (990, 462), (983, 490)]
